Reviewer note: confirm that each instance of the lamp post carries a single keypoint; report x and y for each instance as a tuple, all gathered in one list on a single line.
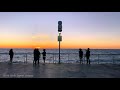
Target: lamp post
[(59, 37)]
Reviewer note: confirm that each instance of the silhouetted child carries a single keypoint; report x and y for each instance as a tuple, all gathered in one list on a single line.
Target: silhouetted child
[(81, 55), (88, 56), (44, 55), (11, 53)]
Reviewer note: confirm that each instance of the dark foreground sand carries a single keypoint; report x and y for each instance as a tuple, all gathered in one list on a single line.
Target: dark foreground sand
[(28, 70)]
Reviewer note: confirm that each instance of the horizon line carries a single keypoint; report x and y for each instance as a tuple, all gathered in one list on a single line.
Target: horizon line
[(60, 48)]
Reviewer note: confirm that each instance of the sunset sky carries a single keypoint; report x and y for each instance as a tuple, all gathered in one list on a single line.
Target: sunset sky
[(96, 30)]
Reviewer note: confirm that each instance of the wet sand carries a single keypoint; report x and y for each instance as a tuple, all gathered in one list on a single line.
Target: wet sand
[(28, 70)]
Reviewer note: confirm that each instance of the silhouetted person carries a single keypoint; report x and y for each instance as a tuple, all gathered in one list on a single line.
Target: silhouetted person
[(35, 56), (44, 55), (38, 55), (88, 56), (81, 55), (11, 53)]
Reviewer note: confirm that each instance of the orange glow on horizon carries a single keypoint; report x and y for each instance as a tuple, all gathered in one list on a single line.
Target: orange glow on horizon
[(67, 43), (63, 45)]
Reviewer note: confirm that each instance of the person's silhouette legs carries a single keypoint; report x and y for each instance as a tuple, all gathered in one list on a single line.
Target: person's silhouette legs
[(89, 61), (38, 61), (44, 59), (10, 59), (35, 62), (80, 60)]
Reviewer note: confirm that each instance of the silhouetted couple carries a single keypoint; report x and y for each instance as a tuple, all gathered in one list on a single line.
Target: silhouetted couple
[(37, 55), (11, 53), (87, 55)]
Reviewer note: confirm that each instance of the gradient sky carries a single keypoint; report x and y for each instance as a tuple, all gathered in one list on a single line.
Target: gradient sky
[(40, 29)]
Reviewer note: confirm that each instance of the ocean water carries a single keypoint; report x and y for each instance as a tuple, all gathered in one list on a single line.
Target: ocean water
[(67, 55)]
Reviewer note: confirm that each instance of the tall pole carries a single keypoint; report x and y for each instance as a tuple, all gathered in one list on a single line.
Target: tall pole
[(59, 37), (59, 52)]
